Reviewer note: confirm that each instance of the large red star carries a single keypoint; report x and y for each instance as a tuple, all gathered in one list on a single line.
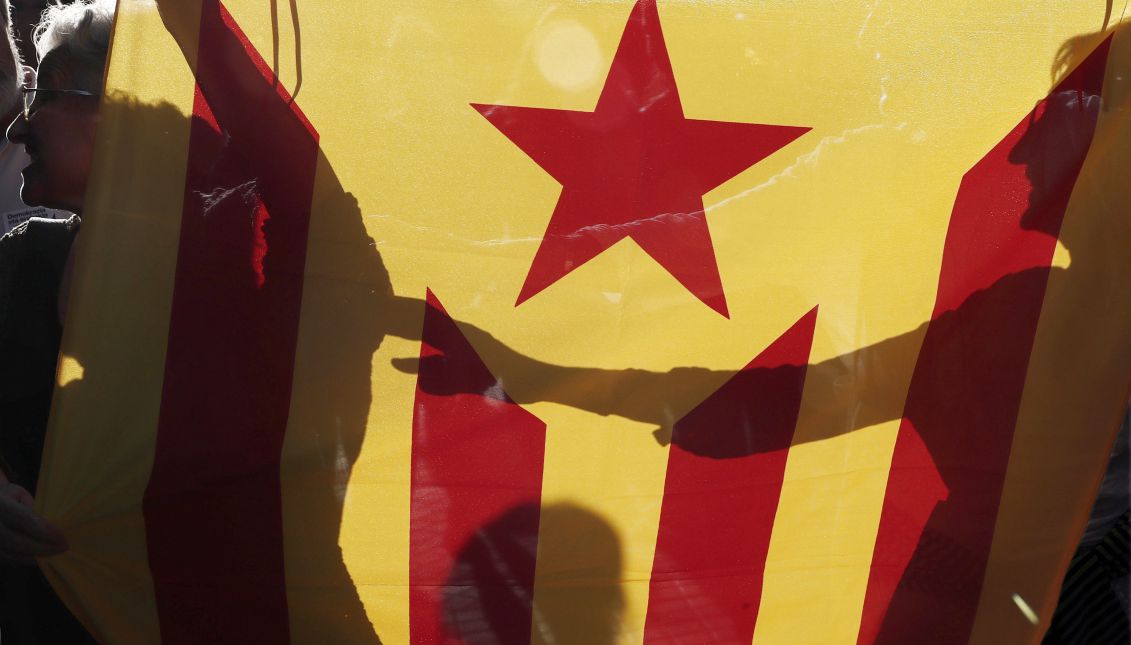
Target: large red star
[(635, 167)]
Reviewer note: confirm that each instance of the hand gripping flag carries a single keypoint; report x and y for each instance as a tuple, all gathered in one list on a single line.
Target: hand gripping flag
[(549, 322)]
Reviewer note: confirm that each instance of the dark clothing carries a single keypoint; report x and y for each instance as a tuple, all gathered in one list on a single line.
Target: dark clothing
[(32, 257), (1093, 601), (1094, 606)]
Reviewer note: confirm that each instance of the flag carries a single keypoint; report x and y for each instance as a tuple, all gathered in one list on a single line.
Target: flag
[(593, 322)]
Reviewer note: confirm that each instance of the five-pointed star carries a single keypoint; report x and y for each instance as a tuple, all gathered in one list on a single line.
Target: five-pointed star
[(635, 167)]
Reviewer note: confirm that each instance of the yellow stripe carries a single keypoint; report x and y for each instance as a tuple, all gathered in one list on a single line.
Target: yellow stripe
[(1077, 383), (128, 245), (332, 418), (826, 523)]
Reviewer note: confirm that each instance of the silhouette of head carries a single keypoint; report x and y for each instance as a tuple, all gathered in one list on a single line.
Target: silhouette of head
[(1058, 137), (483, 604)]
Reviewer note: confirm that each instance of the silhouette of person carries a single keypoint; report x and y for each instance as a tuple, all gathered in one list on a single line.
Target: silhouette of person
[(962, 351), (961, 409)]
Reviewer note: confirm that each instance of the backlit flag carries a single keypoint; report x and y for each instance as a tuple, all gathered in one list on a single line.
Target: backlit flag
[(594, 322)]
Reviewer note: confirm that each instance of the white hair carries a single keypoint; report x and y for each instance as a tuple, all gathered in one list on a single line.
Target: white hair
[(82, 26), (9, 64)]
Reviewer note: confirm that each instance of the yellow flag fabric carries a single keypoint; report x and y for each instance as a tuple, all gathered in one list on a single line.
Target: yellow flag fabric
[(594, 322)]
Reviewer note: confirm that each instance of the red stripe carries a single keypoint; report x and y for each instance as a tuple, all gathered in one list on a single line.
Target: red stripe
[(212, 508), (953, 446), (718, 513), (477, 461)]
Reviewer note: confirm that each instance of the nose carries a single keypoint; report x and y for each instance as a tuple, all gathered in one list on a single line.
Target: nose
[(17, 131)]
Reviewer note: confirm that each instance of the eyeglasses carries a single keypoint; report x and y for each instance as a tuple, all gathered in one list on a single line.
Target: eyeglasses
[(30, 94)]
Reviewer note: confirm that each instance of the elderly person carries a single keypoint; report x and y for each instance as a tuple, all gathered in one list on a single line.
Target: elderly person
[(56, 127), (58, 130), (13, 211), (61, 109)]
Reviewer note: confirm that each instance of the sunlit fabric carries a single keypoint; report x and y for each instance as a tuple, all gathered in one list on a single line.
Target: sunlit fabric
[(594, 322)]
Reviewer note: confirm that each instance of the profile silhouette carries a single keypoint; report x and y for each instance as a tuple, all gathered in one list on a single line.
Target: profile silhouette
[(971, 359)]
